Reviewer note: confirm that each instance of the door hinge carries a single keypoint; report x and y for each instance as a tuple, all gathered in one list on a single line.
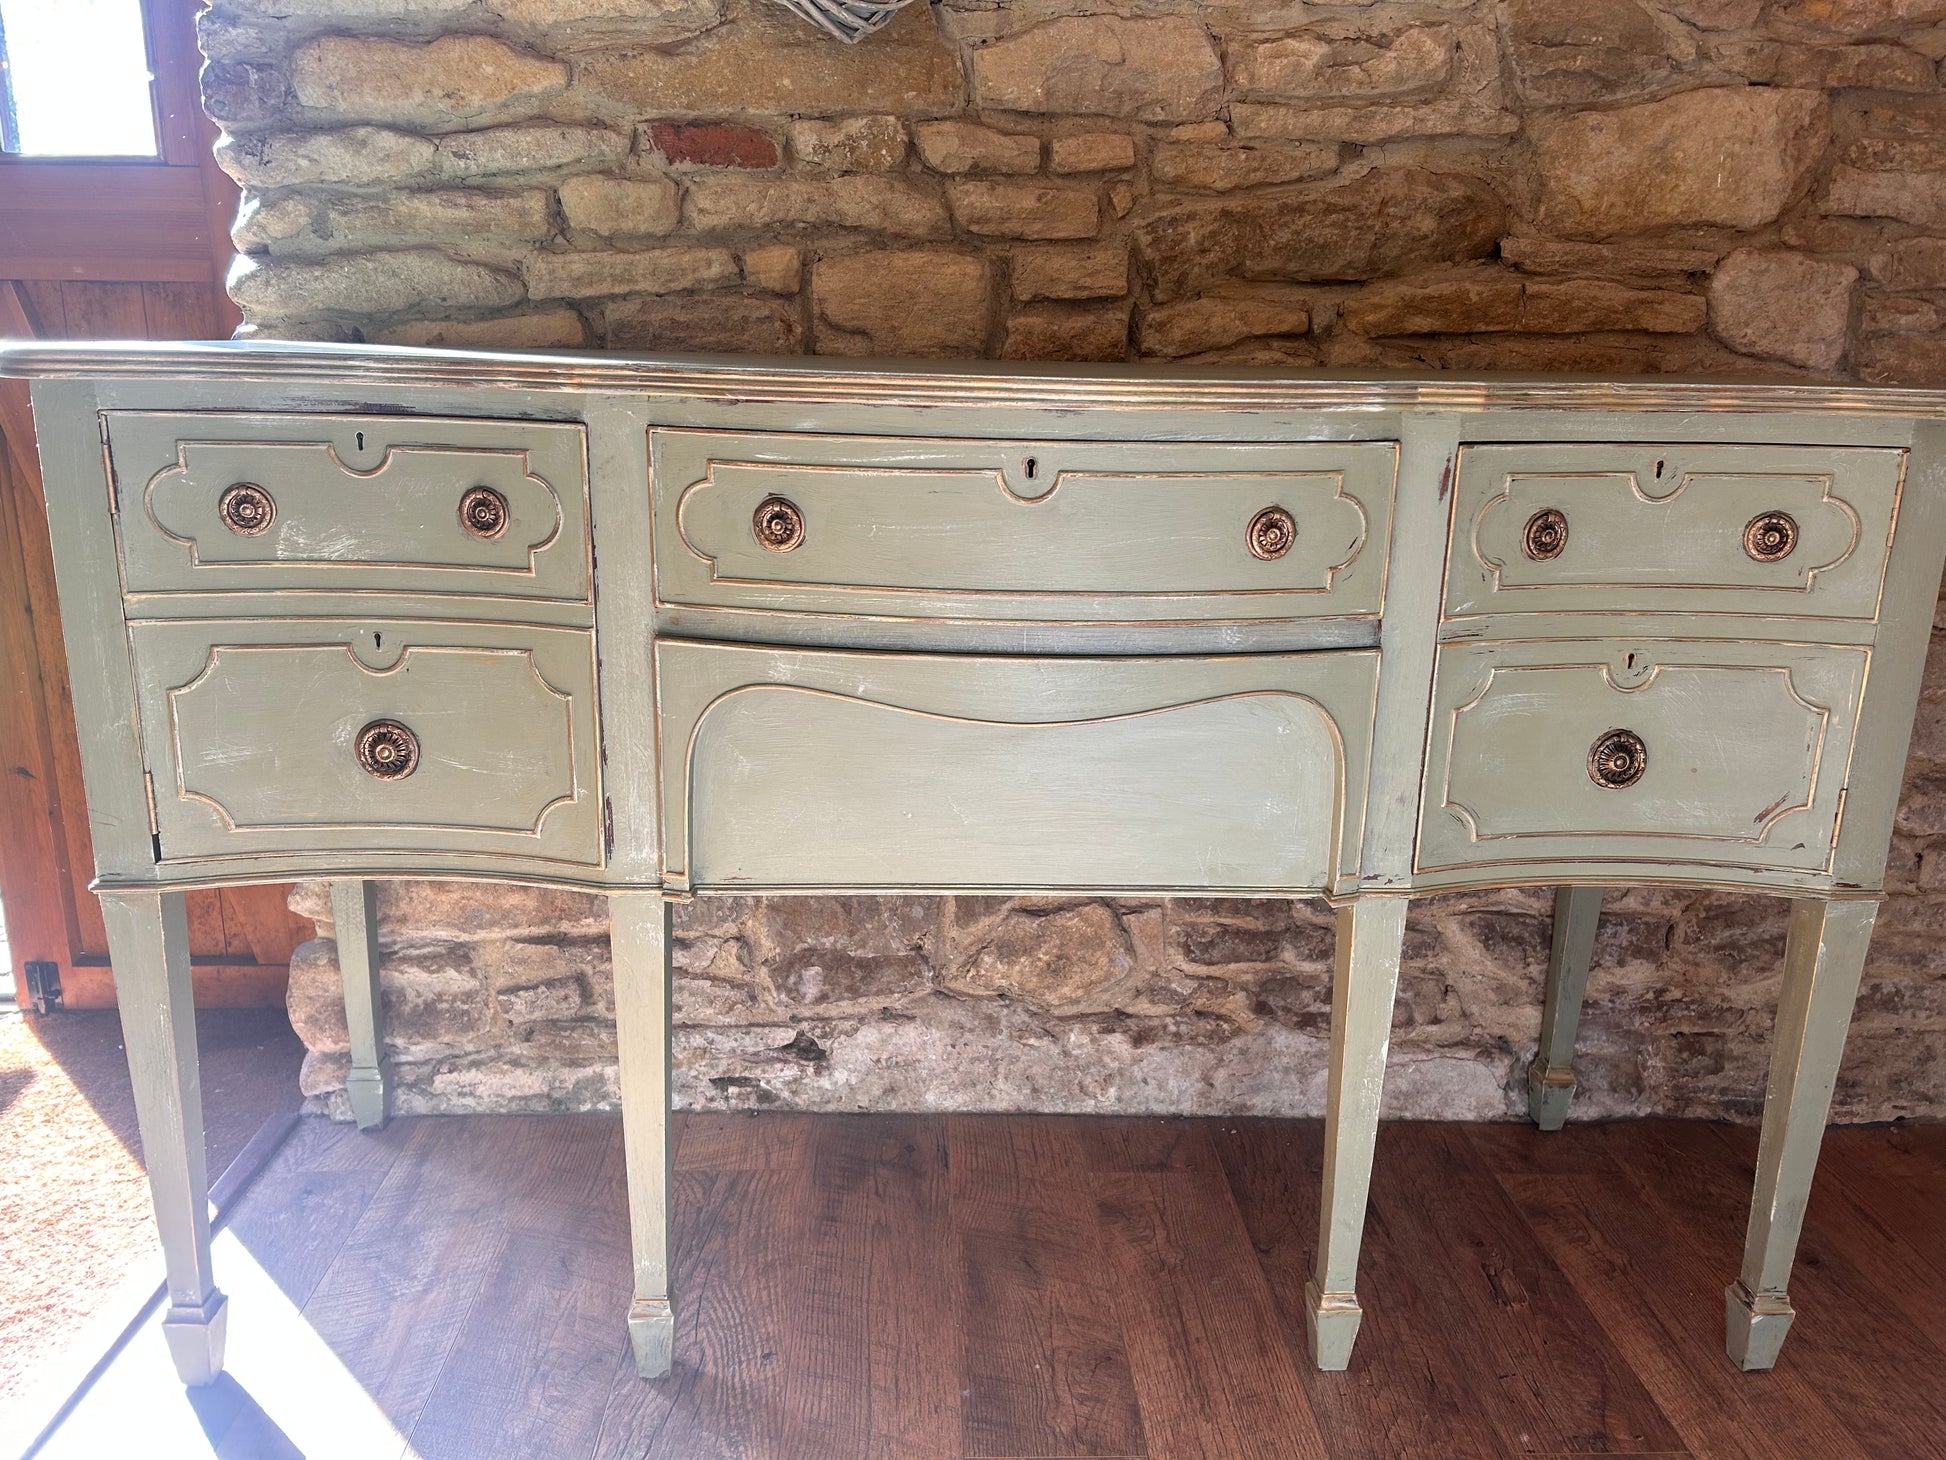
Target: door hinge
[(44, 986)]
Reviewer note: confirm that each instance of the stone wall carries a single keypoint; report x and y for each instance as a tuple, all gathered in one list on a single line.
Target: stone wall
[(1744, 186)]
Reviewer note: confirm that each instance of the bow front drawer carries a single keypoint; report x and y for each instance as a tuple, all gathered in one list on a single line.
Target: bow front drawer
[(226, 503), (355, 736), (1639, 752), (1061, 531), (1788, 531)]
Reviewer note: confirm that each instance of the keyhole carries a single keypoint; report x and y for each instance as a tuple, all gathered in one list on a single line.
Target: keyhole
[(1631, 661), (378, 642), (361, 447), (1032, 467), (1658, 468)]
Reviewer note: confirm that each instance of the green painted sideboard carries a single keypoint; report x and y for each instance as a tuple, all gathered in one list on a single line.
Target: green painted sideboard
[(663, 628)]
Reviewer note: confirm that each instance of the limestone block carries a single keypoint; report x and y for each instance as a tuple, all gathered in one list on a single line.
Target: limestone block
[(1195, 326), (537, 147), (452, 79), (1783, 306), (958, 147), (1216, 167), (1091, 152), (776, 268), (1070, 271), (583, 23), (1730, 156), (1911, 197), (643, 206), (711, 323), (1576, 51), (481, 218), (850, 144), (879, 203), (1086, 332), (765, 60), (1162, 69), (346, 155), (929, 303), (551, 329), (650, 271), (1026, 210), (377, 283), (1322, 63), (1387, 222)]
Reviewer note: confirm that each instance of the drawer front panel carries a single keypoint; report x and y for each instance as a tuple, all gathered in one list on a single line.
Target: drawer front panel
[(1639, 751), (834, 769), (225, 503), (259, 735), (1770, 530), (984, 530)]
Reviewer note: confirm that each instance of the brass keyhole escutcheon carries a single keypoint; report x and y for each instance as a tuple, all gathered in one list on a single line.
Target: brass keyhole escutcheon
[(483, 512), (246, 509), (778, 524), (1546, 534), (388, 750), (1272, 531), (1617, 760), (1770, 536)]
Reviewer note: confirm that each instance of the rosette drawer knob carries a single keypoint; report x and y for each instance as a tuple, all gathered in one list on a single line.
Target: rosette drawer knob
[(1617, 760), (1272, 531), (388, 750)]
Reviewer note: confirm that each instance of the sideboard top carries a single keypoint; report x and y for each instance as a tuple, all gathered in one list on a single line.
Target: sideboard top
[(910, 383)]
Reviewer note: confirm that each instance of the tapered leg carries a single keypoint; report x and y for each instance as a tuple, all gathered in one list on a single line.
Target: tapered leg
[(1822, 963), (1550, 1079), (639, 933), (148, 943), (354, 913), (1371, 932)]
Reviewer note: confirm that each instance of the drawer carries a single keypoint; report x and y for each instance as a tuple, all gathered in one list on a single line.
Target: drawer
[(337, 736), (1771, 530), (224, 503), (1632, 752), (1062, 531), (834, 769)]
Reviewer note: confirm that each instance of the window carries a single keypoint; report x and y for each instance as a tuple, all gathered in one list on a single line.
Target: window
[(75, 79)]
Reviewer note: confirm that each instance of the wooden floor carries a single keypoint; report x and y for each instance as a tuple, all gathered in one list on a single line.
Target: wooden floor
[(914, 1286)]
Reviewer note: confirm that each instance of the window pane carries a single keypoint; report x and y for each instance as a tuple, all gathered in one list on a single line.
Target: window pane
[(79, 73)]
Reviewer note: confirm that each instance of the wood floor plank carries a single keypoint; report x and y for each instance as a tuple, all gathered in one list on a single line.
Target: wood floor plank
[(1145, 1143), (399, 1294), (1530, 1351), (1897, 1176), (533, 1373), (1044, 1370), (731, 1317), (1402, 1396), (1206, 1350), (303, 1206), (1648, 1283), (743, 1140), (1848, 1338)]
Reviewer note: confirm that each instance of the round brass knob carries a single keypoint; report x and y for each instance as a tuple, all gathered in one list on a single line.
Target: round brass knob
[(778, 524), (483, 512), (388, 750), (1272, 531), (246, 509), (1546, 534), (1617, 760), (1770, 536)]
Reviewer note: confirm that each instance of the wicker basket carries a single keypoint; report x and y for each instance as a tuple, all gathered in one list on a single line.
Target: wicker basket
[(848, 20)]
